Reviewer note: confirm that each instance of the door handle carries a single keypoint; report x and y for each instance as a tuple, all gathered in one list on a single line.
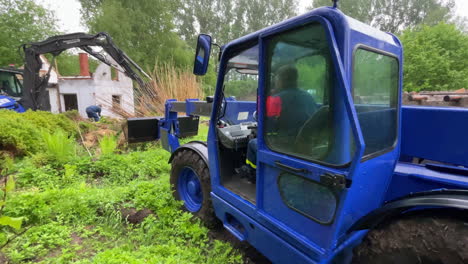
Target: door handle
[(289, 168)]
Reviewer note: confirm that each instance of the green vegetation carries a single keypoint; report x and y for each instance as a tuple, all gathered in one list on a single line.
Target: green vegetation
[(59, 146), (22, 134), (436, 58), (395, 15), (144, 30), (21, 22), (68, 64), (108, 145), (163, 32), (81, 209)]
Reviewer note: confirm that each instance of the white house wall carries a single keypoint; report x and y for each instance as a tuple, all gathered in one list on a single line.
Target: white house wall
[(84, 90), (54, 100), (98, 90), (105, 87)]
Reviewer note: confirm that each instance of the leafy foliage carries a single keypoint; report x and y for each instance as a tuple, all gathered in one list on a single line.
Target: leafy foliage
[(71, 211), (108, 145), (395, 15), (144, 29), (227, 19), (8, 187), (68, 64), (21, 22), (59, 146), (436, 58), (20, 133)]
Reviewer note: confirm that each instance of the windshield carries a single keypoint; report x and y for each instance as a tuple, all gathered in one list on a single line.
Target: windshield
[(10, 84), (241, 78)]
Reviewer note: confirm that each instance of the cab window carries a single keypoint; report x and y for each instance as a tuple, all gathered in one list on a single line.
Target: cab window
[(10, 84), (241, 78), (375, 89), (300, 80)]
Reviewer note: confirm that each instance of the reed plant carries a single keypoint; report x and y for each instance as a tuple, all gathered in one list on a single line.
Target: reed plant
[(167, 82)]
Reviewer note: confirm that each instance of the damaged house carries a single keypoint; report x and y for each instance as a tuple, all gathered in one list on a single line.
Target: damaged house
[(106, 86)]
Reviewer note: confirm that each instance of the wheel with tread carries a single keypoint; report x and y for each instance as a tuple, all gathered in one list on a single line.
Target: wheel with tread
[(190, 183), (426, 239)]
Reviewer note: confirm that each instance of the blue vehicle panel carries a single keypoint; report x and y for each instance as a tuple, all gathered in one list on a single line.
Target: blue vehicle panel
[(10, 104), (435, 133)]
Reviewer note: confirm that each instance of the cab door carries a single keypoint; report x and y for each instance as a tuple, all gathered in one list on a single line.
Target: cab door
[(325, 159), (306, 137)]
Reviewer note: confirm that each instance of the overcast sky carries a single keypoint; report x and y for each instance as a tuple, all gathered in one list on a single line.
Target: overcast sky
[(68, 12)]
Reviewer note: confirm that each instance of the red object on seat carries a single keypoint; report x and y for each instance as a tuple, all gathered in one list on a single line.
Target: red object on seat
[(273, 106)]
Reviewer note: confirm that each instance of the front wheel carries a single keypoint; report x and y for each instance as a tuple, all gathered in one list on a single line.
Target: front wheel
[(425, 239), (190, 182)]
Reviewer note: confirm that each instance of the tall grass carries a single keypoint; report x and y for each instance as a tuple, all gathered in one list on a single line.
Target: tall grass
[(108, 144), (59, 146), (168, 82)]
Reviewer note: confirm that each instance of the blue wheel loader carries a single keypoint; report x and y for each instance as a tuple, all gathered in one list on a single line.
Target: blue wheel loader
[(11, 89), (340, 171)]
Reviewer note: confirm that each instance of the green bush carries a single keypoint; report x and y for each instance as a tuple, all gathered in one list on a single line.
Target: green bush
[(50, 122), (436, 58), (21, 135), (17, 135)]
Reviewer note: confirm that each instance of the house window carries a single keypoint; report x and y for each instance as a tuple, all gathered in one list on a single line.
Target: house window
[(114, 74), (116, 101), (70, 101)]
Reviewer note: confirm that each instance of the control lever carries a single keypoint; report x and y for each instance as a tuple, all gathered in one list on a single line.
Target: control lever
[(221, 124)]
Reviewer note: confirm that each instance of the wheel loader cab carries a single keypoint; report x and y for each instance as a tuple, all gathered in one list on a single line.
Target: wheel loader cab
[(325, 89), (319, 96), (313, 105)]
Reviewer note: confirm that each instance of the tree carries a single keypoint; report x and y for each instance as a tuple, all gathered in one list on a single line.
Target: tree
[(143, 29), (263, 13), (68, 64), (395, 15), (89, 9), (226, 20), (436, 58), (22, 21)]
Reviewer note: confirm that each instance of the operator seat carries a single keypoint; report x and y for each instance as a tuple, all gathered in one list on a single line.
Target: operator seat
[(313, 137)]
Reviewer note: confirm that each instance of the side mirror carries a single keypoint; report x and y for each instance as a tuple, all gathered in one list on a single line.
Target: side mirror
[(202, 55)]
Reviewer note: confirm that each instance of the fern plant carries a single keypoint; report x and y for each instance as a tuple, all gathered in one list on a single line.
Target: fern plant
[(108, 144), (9, 186), (59, 146)]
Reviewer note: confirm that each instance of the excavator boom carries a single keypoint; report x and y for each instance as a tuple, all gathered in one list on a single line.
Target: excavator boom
[(34, 94)]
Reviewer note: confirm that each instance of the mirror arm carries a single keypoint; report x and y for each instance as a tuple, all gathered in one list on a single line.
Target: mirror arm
[(219, 51)]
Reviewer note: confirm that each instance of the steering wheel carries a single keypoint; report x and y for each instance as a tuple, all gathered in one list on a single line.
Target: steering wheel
[(310, 139)]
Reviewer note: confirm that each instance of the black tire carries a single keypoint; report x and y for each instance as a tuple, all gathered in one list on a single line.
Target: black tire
[(191, 159), (416, 239)]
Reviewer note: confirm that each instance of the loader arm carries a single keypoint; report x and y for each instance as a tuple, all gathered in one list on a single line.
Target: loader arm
[(35, 85)]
